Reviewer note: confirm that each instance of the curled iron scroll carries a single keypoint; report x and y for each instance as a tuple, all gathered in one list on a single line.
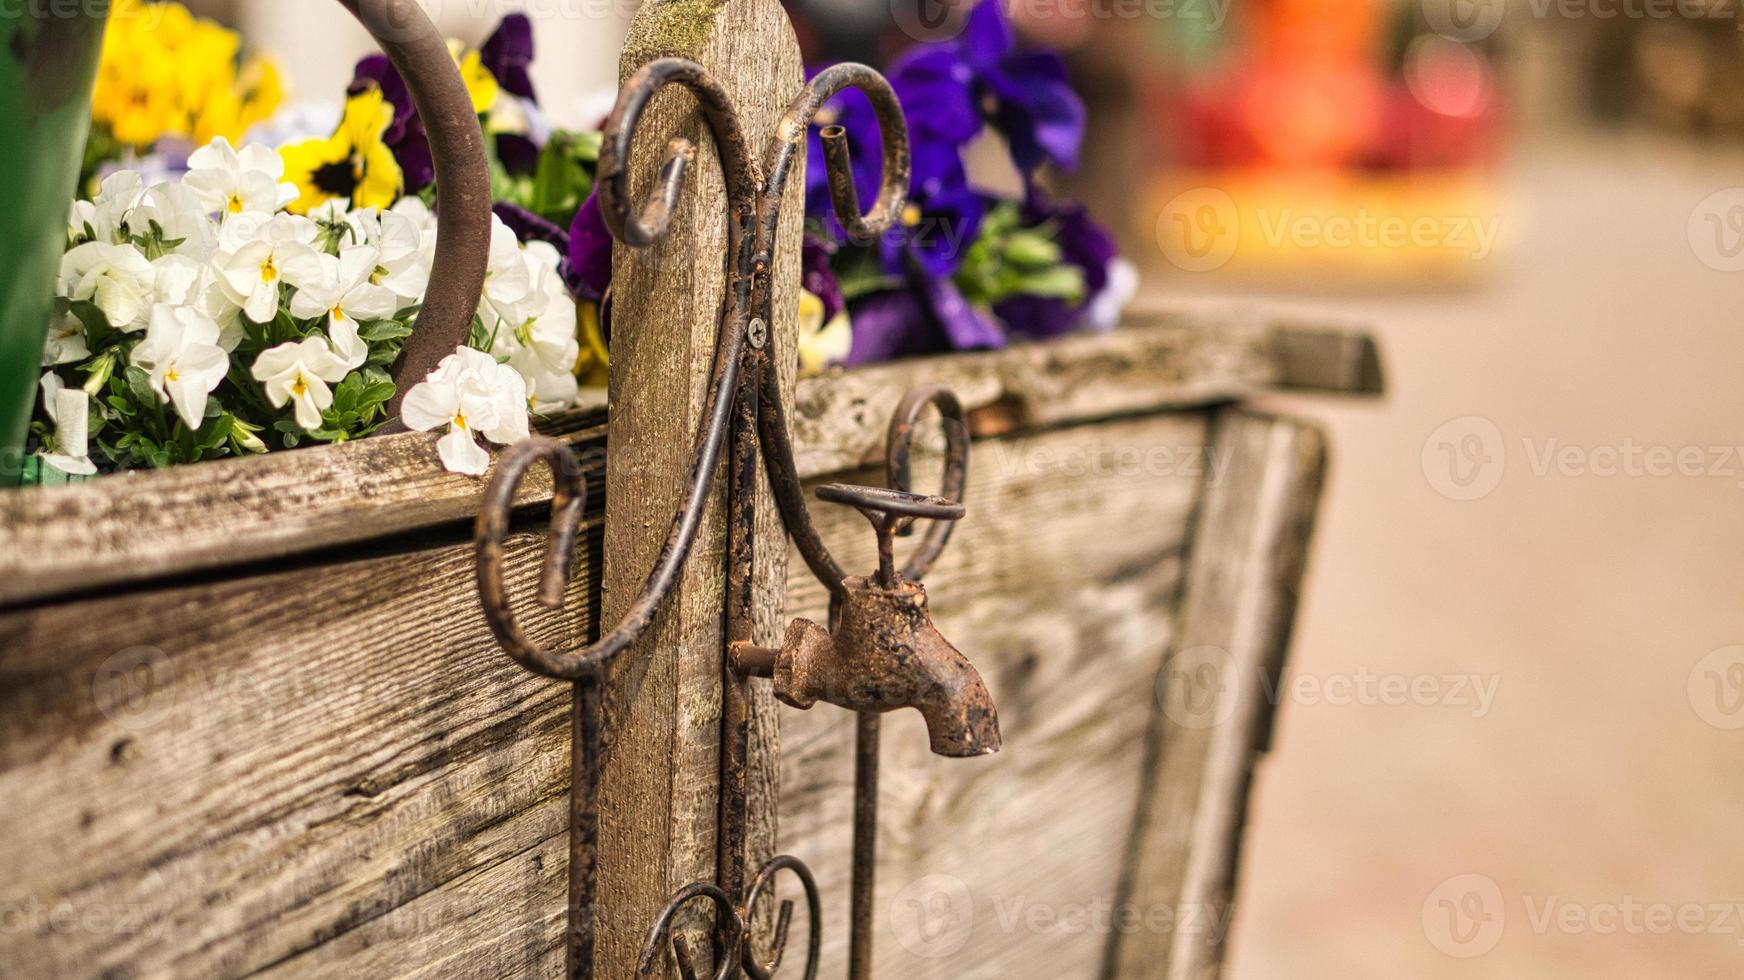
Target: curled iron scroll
[(463, 197), (732, 926), (644, 223)]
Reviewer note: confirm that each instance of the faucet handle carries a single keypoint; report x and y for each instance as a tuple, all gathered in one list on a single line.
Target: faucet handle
[(891, 512)]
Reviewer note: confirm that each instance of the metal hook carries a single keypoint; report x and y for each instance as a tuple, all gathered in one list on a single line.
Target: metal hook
[(814, 918), (844, 197), (568, 501), (726, 920), (654, 216), (899, 442)]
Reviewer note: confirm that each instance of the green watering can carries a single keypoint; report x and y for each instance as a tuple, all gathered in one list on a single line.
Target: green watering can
[(48, 63), (47, 70)]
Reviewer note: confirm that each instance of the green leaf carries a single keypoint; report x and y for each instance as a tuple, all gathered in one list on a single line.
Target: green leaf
[(139, 386), (379, 330), (564, 176)]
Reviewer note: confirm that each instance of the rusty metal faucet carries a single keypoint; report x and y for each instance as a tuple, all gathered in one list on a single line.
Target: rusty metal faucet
[(885, 653)]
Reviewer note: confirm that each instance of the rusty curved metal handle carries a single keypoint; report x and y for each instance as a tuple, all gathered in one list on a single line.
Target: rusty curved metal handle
[(784, 918), (728, 922), (844, 196), (463, 196)]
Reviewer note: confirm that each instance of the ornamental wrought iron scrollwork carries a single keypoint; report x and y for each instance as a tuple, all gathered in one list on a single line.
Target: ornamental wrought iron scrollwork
[(850, 662)]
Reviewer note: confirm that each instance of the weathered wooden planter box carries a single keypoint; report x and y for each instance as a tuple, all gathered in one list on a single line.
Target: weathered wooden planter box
[(252, 721)]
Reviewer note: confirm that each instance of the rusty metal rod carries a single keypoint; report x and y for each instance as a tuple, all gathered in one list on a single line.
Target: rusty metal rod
[(865, 875), (463, 195)]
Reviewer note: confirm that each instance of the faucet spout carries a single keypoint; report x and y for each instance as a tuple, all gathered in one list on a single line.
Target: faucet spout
[(887, 655)]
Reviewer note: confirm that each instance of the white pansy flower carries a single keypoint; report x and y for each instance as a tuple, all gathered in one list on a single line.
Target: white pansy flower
[(300, 372), (181, 352), (507, 284), (406, 254), (183, 281), (66, 342), (230, 182), (70, 411), (469, 392), (543, 347), (1103, 311), (103, 217), (251, 274), (241, 230), (413, 207), (339, 288), (341, 227), (180, 219), (115, 277)]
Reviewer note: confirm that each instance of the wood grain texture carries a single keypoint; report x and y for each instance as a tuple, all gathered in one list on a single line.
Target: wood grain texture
[(659, 802), (1214, 719), (137, 526), (331, 770), (326, 771), (1060, 585), (148, 524)]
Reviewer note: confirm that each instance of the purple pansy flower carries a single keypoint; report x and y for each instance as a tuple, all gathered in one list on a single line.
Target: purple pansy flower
[(1034, 105), (587, 267), (817, 277), (508, 53), (944, 224), (1083, 243), (933, 84), (924, 316)]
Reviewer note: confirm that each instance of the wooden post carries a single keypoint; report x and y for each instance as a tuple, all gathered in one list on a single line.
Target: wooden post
[(659, 789)]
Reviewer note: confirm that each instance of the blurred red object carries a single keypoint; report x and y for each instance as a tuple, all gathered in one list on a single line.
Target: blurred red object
[(1308, 88)]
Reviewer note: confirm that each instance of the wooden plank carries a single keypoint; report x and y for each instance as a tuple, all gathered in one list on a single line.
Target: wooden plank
[(1215, 714), (142, 525), (147, 524), (332, 771), (1060, 585), (659, 791), (1327, 360), (328, 771)]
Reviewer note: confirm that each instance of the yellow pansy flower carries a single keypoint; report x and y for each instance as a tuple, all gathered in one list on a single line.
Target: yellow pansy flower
[(591, 364), (165, 72), (353, 163), (481, 85)]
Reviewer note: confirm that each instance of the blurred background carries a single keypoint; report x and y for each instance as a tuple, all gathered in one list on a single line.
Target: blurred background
[(1511, 744)]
